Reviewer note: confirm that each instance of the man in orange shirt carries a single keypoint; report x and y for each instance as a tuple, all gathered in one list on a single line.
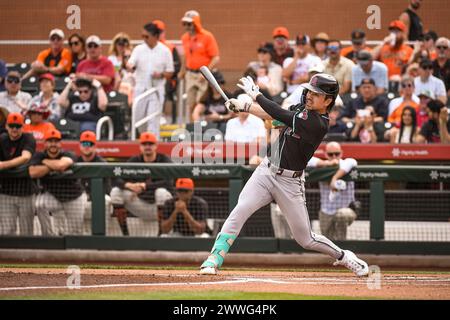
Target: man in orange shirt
[(393, 52), (38, 126), (200, 49), (56, 60)]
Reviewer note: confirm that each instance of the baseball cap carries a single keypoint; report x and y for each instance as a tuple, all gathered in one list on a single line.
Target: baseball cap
[(147, 137), (14, 118), (161, 25), (184, 183), (93, 39), (426, 93), (317, 68), (302, 39), (367, 81), (57, 32), (397, 24), (88, 136), (52, 134), (47, 76), (266, 48), (358, 36), (435, 105), (280, 32), (39, 108), (363, 57), (189, 16)]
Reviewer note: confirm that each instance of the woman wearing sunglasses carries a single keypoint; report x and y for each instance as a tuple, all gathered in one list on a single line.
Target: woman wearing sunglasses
[(78, 48), (407, 98)]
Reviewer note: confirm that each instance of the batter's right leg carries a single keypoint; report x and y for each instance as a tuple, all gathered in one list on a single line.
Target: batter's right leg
[(255, 195)]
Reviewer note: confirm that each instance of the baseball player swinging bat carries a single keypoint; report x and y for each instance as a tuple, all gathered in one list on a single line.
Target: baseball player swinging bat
[(209, 76)]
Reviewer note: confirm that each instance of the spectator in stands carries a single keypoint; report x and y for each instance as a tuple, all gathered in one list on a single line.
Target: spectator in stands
[(16, 194), (424, 48), (336, 126), (275, 84), (412, 21), (407, 98), (3, 116), (96, 66), (295, 70), (394, 53), (437, 129), (116, 52), (367, 97), (422, 115), (141, 196), (366, 129), (338, 66), (337, 198), (171, 84), (408, 131), (153, 66), (77, 45), (184, 215), (56, 60), (47, 96), (412, 70), (282, 50), (88, 154), (212, 106), (367, 68), (62, 197), (245, 128), (84, 101), (200, 49), (319, 45), (441, 66), (38, 126), (3, 72), (426, 81), (13, 98), (358, 44), (127, 79)]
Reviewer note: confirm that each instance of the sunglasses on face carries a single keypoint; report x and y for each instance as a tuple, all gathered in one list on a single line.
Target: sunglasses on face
[(183, 190), (427, 68), (87, 144), (55, 39), (74, 43), (144, 36), (147, 144), (442, 48), (333, 154), (15, 126), (187, 24), (15, 80), (407, 85), (92, 45), (84, 91), (122, 41), (333, 48)]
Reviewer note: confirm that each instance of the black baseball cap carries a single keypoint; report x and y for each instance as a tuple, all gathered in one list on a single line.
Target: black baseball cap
[(364, 55), (358, 36), (367, 81), (266, 48)]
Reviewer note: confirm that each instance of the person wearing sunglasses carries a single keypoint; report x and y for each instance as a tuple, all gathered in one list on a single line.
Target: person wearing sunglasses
[(441, 66), (14, 99), (84, 101), (407, 98), (96, 66), (185, 214), (56, 60), (337, 198), (16, 194), (426, 81), (116, 51), (141, 196), (77, 46), (338, 66), (62, 197)]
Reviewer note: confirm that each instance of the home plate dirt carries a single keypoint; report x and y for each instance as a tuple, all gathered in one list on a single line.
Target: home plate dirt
[(21, 282)]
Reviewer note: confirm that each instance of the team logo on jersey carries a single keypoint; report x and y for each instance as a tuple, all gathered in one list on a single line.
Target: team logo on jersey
[(303, 115)]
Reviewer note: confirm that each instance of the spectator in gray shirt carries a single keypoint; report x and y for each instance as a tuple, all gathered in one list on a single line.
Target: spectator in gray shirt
[(367, 68), (13, 99)]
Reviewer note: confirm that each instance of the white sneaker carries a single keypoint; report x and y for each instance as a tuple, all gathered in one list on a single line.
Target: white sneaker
[(352, 262), (208, 271)]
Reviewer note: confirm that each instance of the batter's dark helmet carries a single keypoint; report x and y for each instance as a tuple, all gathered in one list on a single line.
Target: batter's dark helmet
[(322, 83)]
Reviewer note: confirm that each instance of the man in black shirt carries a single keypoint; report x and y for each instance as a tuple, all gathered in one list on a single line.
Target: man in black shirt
[(186, 214), (62, 197), (16, 194), (141, 196), (281, 178), (412, 20), (437, 128)]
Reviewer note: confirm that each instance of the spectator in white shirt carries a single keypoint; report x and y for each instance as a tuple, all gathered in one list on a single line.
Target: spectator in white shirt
[(369, 69), (426, 81), (13, 99)]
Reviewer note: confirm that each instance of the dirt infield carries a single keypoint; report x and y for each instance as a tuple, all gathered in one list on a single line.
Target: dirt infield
[(39, 282)]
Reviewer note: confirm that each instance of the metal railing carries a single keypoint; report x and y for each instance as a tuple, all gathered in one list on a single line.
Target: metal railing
[(109, 123)]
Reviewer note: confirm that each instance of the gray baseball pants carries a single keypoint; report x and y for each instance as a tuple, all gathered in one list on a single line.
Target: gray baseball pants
[(289, 193), (13, 208)]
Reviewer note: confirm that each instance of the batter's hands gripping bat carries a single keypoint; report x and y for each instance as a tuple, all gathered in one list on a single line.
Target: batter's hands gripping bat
[(209, 76)]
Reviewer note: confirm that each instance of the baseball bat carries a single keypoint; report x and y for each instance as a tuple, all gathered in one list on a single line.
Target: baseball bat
[(210, 78)]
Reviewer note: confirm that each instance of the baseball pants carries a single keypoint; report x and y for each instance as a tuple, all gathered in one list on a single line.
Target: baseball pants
[(263, 187), (13, 208), (67, 216)]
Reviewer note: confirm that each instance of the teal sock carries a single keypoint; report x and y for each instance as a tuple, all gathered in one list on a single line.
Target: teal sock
[(221, 247)]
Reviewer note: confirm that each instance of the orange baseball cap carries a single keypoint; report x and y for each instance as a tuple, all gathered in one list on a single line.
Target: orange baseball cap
[(161, 25), (184, 183), (280, 32), (14, 118), (52, 134), (88, 136), (148, 137), (397, 24)]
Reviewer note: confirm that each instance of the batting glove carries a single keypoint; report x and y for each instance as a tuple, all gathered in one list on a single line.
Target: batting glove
[(236, 106), (249, 87)]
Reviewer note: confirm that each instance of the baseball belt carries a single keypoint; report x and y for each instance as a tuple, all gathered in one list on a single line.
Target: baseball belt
[(283, 172)]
